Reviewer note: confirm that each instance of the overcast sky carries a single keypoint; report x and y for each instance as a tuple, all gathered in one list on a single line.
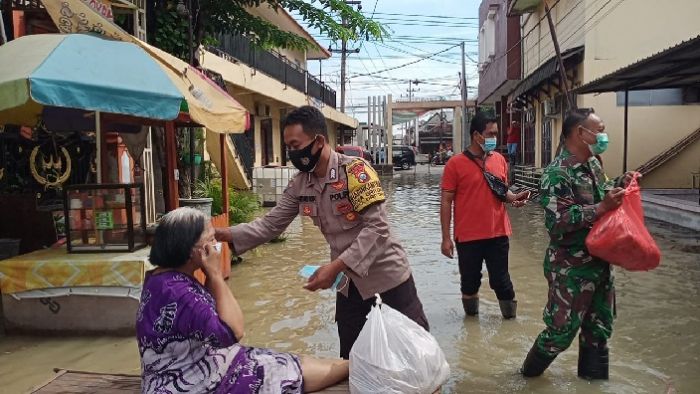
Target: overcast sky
[(437, 26)]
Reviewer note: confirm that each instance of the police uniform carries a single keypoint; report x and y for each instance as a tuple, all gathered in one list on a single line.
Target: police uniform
[(348, 207)]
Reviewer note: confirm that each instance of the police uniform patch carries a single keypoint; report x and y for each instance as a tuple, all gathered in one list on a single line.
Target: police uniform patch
[(364, 185), (344, 207), (340, 185), (351, 216)]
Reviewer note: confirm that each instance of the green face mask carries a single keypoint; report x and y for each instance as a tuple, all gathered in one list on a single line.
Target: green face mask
[(601, 142)]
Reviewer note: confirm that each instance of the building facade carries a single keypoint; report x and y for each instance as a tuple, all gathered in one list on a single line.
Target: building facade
[(595, 39), (270, 83), (499, 60)]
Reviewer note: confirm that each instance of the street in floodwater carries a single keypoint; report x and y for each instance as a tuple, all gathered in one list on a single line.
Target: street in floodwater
[(655, 346)]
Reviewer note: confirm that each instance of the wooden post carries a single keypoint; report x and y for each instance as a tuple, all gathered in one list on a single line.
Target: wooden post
[(224, 175), (224, 221), (557, 51), (101, 136), (562, 71), (171, 166), (99, 147), (624, 152)]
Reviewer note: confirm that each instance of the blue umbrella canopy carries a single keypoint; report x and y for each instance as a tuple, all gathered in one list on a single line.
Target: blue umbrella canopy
[(82, 71)]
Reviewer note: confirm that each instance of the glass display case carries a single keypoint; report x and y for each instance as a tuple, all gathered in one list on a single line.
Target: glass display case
[(105, 218)]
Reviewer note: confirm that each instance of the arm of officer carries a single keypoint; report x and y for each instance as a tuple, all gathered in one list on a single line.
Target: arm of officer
[(373, 238), (246, 236)]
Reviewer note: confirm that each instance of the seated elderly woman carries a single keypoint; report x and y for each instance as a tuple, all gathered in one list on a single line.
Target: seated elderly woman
[(188, 334)]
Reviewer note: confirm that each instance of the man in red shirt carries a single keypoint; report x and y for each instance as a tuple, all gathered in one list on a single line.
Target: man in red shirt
[(513, 141), (481, 228)]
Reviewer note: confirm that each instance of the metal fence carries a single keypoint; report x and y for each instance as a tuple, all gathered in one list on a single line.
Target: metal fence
[(276, 66), (527, 177)]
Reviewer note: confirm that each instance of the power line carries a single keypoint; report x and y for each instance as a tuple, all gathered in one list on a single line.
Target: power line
[(431, 24), (528, 33), (381, 58), (586, 30), (374, 9), (404, 65), (427, 16), (374, 80), (415, 55), (445, 56), (432, 38), (583, 30)]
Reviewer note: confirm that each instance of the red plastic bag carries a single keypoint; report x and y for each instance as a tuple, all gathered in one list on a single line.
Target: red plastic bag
[(621, 238)]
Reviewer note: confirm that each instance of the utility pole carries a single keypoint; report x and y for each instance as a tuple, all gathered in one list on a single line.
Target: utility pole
[(465, 95), (344, 55), (410, 98), (562, 70)]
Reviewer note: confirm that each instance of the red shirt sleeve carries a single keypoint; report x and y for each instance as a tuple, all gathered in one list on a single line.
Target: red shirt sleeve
[(449, 176)]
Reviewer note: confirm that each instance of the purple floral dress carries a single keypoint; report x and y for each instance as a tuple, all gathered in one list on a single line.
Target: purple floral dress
[(185, 347)]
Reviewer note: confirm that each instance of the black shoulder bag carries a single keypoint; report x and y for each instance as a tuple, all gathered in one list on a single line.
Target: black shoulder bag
[(497, 186)]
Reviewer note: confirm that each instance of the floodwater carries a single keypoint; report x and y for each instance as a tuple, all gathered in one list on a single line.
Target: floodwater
[(655, 346)]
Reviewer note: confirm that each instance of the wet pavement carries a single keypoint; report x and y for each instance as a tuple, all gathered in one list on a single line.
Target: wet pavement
[(655, 347)]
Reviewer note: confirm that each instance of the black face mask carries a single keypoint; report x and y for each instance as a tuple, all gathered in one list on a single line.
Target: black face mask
[(303, 159)]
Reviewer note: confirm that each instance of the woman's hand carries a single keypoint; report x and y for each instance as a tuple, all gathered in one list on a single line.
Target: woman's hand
[(209, 260)]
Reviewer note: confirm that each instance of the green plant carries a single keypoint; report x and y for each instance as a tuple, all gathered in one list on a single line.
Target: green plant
[(212, 17), (243, 204), (172, 31)]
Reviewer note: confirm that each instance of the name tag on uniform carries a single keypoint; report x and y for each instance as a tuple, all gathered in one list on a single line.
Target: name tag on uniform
[(307, 198)]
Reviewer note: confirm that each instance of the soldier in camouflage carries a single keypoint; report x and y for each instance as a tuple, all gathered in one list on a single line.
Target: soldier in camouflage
[(575, 193)]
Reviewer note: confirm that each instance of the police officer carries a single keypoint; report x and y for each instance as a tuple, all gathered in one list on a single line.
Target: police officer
[(575, 192), (343, 197)]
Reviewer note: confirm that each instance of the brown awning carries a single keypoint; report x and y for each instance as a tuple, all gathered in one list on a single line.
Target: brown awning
[(675, 67)]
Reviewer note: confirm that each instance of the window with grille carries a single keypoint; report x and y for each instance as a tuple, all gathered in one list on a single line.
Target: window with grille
[(529, 137), (547, 125)]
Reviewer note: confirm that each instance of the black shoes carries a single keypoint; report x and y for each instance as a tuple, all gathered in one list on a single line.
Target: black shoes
[(593, 363), (535, 363), (508, 308), (471, 306)]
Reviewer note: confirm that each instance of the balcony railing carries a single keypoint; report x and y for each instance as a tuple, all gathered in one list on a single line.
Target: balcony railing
[(276, 66)]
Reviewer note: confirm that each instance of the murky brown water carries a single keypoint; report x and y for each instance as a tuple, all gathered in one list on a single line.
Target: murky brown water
[(655, 346)]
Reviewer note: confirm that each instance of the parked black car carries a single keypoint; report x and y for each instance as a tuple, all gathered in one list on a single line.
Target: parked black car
[(403, 157), (356, 151)]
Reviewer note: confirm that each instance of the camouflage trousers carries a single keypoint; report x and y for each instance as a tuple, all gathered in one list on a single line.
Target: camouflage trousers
[(579, 298)]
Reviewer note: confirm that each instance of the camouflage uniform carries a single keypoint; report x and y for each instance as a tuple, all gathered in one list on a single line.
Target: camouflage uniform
[(581, 290)]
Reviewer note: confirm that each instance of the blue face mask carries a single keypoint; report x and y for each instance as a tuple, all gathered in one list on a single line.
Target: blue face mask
[(601, 142), (489, 144), (309, 270)]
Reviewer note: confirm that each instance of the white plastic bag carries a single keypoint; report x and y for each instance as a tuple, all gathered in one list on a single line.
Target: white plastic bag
[(393, 354)]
